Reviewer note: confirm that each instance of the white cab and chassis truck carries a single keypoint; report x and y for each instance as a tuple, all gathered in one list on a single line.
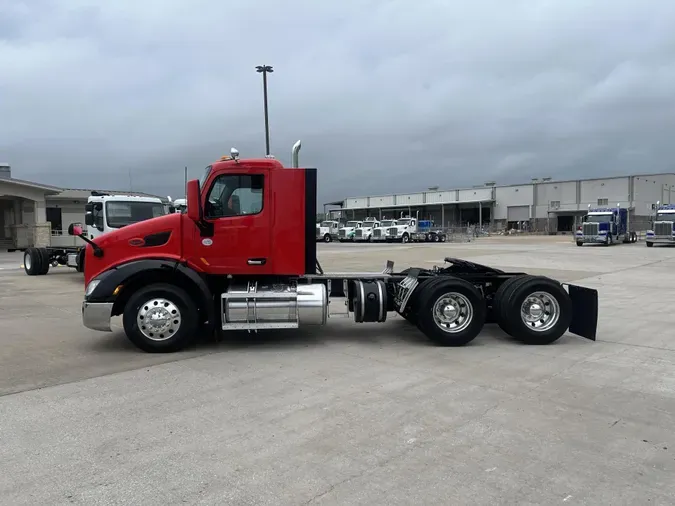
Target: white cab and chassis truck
[(327, 230), (663, 231), (364, 233), (103, 213), (348, 232), (170, 297), (380, 232)]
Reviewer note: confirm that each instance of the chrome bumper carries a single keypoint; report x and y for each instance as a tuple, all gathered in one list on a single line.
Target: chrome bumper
[(96, 315)]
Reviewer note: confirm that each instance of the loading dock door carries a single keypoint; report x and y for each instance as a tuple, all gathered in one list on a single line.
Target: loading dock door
[(518, 213)]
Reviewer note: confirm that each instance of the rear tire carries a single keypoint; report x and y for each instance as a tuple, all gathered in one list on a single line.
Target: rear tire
[(535, 310), (443, 238), (32, 262), (500, 296), (175, 326), (45, 261), (451, 311)]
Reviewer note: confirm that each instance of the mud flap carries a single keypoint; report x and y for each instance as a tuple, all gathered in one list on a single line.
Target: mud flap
[(584, 311)]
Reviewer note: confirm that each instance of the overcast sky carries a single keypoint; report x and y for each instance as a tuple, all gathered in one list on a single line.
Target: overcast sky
[(385, 95)]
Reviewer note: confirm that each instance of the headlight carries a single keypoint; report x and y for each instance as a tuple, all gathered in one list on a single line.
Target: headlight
[(91, 287)]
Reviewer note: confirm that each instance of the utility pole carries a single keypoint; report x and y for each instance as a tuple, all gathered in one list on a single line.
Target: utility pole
[(264, 70)]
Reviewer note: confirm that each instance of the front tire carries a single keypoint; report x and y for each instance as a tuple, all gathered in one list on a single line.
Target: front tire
[(161, 318), (405, 239), (580, 243), (327, 238), (650, 244), (451, 311)]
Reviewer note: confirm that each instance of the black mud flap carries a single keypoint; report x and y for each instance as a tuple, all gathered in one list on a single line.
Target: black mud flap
[(584, 311)]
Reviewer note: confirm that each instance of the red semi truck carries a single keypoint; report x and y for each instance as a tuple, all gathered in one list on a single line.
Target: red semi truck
[(237, 260)]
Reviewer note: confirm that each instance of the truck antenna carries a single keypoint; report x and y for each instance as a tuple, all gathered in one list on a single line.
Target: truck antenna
[(295, 155)]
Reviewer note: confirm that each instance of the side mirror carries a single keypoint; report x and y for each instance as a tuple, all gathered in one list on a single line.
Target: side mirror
[(194, 204), (88, 207), (75, 229), (89, 219)]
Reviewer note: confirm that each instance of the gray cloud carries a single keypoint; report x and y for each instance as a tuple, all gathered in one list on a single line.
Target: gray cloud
[(386, 95)]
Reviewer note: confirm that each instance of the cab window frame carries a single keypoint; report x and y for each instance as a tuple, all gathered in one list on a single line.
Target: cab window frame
[(232, 190)]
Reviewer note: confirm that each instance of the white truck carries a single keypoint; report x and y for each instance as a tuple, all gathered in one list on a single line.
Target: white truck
[(347, 232), (178, 205), (663, 231), (103, 213), (380, 232), (364, 233), (403, 230), (327, 230)]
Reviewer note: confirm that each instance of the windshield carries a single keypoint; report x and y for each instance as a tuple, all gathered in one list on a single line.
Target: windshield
[(326, 224), (122, 213), (599, 218), (202, 179), (352, 224), (403, 222), (387, 223), (368, 224), (665, 216)]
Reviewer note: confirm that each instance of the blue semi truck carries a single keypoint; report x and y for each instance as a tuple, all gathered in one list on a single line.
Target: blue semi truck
[(605, 225)]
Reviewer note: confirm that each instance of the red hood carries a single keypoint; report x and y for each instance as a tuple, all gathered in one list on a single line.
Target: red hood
[(129, 243)]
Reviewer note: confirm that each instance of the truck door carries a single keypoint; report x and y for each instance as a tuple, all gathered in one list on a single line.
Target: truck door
[(237, 206)]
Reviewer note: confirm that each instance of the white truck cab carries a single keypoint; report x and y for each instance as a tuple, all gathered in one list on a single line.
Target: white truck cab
[(327, 230), (380, 231), (404, 228), (365, 231), (347, 232), (104, 212), (663, 230)]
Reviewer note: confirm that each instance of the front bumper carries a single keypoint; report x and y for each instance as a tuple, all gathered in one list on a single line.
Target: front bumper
[(96, 315), (660, 239), (588, 239)]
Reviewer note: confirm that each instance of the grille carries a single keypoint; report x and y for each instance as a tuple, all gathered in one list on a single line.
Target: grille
[(392, 231), (591, 228), (359, 233), (663, 228), (377, 233), (343, 233)]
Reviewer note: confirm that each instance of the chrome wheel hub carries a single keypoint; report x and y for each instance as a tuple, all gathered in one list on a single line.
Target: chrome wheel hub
[(27, 262), (540, 311), (452, 312), (158, 319)]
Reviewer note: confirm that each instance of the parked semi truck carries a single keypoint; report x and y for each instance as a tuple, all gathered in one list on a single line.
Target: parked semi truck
[(103, 213), (348, 232), (427, 232), (662, 230), (403, 230), (327, 230), (380, 231), (605, 226), (364, 233), (175, 277)]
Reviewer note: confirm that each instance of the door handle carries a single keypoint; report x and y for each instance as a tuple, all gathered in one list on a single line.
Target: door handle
[(256, 261)]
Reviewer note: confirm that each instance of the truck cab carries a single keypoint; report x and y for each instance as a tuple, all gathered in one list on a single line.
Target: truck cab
[(403, 230), (380, 231), (327, 230), (104, 212), (348, 232), (605, 226), (364, 233), (662, 231)]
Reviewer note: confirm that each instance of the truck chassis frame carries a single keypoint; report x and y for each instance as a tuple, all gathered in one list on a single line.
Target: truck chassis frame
[(37, 261)]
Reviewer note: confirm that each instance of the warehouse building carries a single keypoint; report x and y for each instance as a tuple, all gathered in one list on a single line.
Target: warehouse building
[(542, 205)]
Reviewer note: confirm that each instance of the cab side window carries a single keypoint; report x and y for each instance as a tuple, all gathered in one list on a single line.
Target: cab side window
[(235, 195)]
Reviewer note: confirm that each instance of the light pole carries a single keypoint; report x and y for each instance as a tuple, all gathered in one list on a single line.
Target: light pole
[(264, 70)]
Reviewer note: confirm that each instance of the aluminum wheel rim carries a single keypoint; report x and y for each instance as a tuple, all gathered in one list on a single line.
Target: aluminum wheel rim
[(158, 319), (27, 262), (540, 311), (452, 312)]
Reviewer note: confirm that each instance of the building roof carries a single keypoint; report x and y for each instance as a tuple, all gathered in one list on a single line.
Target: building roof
[(30, 184), (83, 194)]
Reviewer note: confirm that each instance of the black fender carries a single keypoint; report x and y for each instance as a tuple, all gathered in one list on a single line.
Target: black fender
[(136, 273)]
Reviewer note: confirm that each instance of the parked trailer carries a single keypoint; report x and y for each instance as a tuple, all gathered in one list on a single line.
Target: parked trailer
[(103, 213), (205, 273), (663, 231)]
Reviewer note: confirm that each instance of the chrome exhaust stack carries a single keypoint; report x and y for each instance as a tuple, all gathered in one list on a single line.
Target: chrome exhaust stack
[(295, 155)]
